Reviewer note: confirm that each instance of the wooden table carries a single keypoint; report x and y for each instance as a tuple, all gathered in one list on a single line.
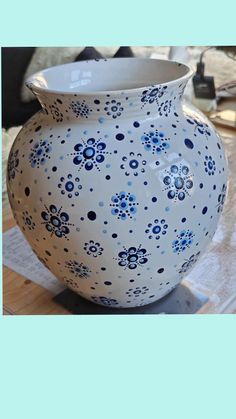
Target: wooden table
[(22, 296)]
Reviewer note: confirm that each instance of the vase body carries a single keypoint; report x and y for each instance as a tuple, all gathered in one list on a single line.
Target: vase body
[(117, 190)]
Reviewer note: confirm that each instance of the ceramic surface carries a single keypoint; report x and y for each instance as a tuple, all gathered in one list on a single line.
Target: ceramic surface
[(117, 184)]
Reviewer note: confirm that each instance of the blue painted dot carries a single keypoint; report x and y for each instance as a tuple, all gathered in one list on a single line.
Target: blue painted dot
[(183, 220), (92, 215), (136, 124), (129, 183), (201, 185), (188, 143), (108, 165), (120, 137), (204, 210), (101, 120), (167, 209), (107, 283), (101, 204), (154, 199), (104, 231)]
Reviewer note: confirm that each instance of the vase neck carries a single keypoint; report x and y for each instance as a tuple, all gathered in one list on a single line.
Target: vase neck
[(153, 101)]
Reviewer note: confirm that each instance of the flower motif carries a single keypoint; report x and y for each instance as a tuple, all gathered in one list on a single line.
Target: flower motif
[(133, 164), (89, 154), (183, 241), (77, 269), (156, 229), (93, 248), (105, 301), (80, 109), (152, 94), (28, 221), (69, 186), (13, 163), (165, 108), (55, 221), (221, 198), (132, 257), (137, 292), (124, 205), (155, 142), (210, 166), (71, 283), (55, 112), (201, 127), (113, 108), (178, 182), (40, 153), (189, 263)]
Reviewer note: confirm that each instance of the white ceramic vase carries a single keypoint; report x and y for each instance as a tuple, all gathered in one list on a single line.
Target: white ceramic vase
[(116, 183)]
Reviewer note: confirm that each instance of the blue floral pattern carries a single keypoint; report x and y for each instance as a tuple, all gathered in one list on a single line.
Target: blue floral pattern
[(56, 221), (40, 153), (124, 205), (93, 248), (132, 257), (105, 301), (79, 270), (70, 186), (183, 241), (178, 182), (152, 94), (134, 164), (80, 109), (200, 127), (210, 166), (28, 221), (155, 141), (113, 108), (13, 164), (165, 108), (157, 229), (189, 263), (89, 154)]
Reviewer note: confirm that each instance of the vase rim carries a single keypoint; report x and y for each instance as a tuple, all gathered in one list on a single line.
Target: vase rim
[(70, 81)]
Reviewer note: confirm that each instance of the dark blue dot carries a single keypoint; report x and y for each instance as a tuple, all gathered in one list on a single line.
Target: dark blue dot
[(188, 143), (97, 102), (120, 137), (201, 185), (27, 191), (92, 215), (136, 124), (183, 220), (114, 235), (38, 128), (154, 199), (160, 270), (204, 210), (108, 177), (103, 269), (107, 283)]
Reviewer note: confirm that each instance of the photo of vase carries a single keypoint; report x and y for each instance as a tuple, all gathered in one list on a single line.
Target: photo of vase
[(117, 183)]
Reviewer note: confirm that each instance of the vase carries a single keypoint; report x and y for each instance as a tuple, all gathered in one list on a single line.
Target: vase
[(117, 184)]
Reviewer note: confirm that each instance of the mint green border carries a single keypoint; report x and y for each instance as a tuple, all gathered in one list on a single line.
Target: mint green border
[(98, 367)]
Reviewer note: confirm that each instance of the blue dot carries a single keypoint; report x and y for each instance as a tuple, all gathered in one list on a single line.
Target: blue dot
[(101, 120), (92, 215), (204, 210), (136, 124), (167, 209), (183, 220), (104, 231), (120, 137), (101, 204), (154, 199), (108, 165), (201, 185), (129, 183), (188, 143)]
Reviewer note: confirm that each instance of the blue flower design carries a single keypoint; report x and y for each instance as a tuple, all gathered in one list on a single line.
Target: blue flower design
[(124, 205), (40, 153), (183, 241), (155, 141), (70, 186), (221, 198), (113, 108), (137, 291), (134, 164), (28, 221), (152, 94), (89, 154), (55, 221), (78, 269), (80, 109), (201, 127), (189, 263), (178, 181), (105, 301), (132, 257), (13, 164), (210, 166), (55, 112), (165, 108), (156, 229), (93, 248)]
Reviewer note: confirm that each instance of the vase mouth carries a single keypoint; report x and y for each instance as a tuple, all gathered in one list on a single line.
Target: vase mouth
[(108, 76)]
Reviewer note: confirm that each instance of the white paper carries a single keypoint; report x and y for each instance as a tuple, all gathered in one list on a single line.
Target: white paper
[(18, 256)]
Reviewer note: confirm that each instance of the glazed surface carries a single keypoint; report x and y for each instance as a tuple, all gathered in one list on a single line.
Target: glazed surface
[(119, 207)]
